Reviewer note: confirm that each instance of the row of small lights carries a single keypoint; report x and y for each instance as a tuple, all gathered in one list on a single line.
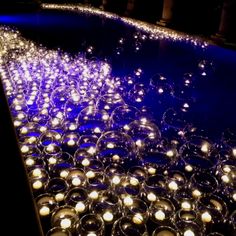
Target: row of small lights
[(154, 30)]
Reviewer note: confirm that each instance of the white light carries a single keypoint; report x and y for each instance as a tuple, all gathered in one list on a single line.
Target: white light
[(151, 197), (108, 216), (173, 185), (151, 170), (37, 172), (59, 197), (226, 169), (65, 223), (186, 206), (72, 127), (128, 201), (71, 142), (29, 162), (126, 127), (139, 143), (105, 117), (189, 233), (160, 215), (37, 184), (90, 174), (115, 157), (80, 207), (188, 168), (24, 130), (196, 193), (206, 217), (160, 90), (52, 160), (85, 162), (93, 195), (64, 174), (133, 181), (170, 153), (225, 178), (234, 152), (205, 148), (24, 149), (97, 130), (138, 219), (116, 180), (50, 148), (44, 211), (110, 145), (234, 196), (76, 181)]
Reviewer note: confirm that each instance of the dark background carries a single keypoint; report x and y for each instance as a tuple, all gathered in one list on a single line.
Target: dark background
[(201, 17)]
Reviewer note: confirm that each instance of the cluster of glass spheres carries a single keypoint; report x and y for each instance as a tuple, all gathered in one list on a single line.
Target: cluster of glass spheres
[(100, 163)]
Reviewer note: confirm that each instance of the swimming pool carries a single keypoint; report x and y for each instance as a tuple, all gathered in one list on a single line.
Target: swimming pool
[(106, 106)]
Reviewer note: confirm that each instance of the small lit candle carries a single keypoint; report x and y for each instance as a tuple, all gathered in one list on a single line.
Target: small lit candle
[(105, 117), (160, 215), (71, 142), (133, 181), (37, 172), (138, 219), (226, 169), (234, 152), (234, 196), (50, 148), (24, 149), (151, 170), (90, 174), (205, 147), (108, 216), (44, 211), (85, 162), (91, 150), (37, 184), (206, 217), (188, 168), (65, 223), (115, 157), (97, 130), (128, 201), (126, 127), (64, 173), (93, 195), (173, 185), (72, 127), (139, 143), (151, 197), (170, 153), (24, 130), (196, 193), (59, 197), (76, 181), (225, 178), (52, 160), (29, 162), (189, 232), (110, 145), (116, 180), (80, 207), (186, 206), (91, 234), (58, 136)]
